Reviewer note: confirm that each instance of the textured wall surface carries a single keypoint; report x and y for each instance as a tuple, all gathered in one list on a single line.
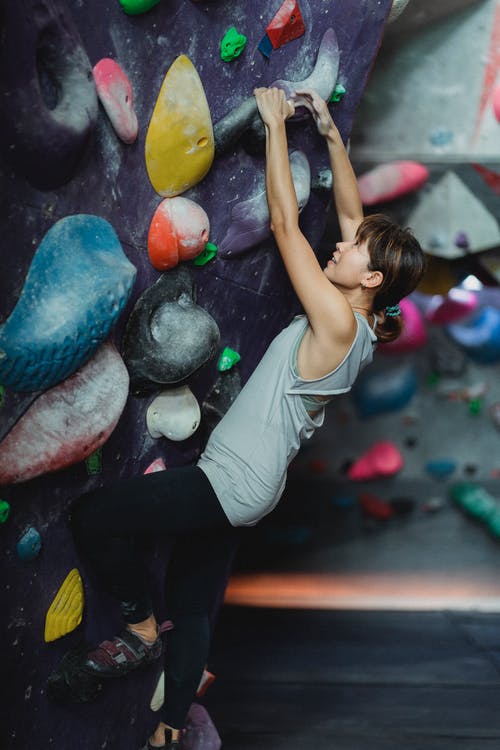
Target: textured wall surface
[(249, 298)]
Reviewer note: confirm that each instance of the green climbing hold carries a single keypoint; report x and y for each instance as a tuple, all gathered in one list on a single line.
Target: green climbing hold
[(207, 254), (93, 462), (494, 523), (2, 395), (232, 44), (338, 93), (474, 500), (134, 7), (475, 405), (4, 510), (432, 379), (227, 359)]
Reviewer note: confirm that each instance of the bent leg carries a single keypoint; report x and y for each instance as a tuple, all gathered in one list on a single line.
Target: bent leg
[(111, 524)]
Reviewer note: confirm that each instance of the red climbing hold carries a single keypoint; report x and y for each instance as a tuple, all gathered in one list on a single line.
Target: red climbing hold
[(286, 25), (375, 507)]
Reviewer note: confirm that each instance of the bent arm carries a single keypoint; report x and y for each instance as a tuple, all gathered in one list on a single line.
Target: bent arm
[(329, 313), (346, 193)]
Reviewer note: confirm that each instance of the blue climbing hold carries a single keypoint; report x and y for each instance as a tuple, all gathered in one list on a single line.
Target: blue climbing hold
[(440, 468), (378, 391), (76, 287), (480, 336), (29, 545)]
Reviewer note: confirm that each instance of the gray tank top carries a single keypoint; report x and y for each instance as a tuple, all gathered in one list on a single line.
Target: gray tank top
[(247, 455)]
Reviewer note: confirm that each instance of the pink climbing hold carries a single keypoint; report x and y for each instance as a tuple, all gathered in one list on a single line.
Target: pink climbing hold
[(383, 459), (157, 465), (496, 102), (413, 335), (392, 180), (67, 423), (457, 304), (115, 94)]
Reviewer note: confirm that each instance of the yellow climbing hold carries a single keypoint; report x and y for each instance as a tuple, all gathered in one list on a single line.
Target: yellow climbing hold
[(65, 612), (180, 140)]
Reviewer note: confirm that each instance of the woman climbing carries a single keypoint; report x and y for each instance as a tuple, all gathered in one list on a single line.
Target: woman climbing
[(240, 476)]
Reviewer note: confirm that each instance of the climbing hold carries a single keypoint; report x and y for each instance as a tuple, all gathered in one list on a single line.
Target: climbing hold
[(479, 337), (338, 93), (432, 504), (381, 390), (231, 127), (440, 468), (232, 44), (135, 7), (4, 510), (2, 395), (265, 46), (29, 545), (475, 406), (207, 254), (46, 86), (67, 423), (65, 612), (461, 240), (93, 462), (322, 78), (440, 214), (317, 466), (457, 304), (383, 459), (474, 500), (392, 180), (77, 285), (414, 334), (227, 359), (375, 507), (286, 25), (157, 465), (441, 136), (250, 217), (179, 142), (168, 336), (174, 414), (343, 501), (116, 96), (199, 730), (178, 231)]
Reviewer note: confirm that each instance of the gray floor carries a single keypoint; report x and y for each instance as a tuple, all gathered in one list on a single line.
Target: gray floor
[(392, 671), (356, 680)]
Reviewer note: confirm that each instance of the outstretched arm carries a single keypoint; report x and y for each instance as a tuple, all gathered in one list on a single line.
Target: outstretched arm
[(345, 185), (322, 302)]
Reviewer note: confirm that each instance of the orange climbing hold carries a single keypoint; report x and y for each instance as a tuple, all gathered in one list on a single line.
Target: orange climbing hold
[(286, 25), (179, 231)]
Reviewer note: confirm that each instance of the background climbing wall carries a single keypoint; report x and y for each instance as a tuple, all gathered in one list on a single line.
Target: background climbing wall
[(249, 298)]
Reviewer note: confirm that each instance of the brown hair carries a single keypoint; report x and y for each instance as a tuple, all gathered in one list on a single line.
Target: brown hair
[(396, 253)]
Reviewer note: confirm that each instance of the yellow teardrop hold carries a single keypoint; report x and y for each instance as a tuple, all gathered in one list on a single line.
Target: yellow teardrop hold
[(179, 148), (65, 612)]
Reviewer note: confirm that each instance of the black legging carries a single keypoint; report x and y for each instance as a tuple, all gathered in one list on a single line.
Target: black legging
[(110, 526)]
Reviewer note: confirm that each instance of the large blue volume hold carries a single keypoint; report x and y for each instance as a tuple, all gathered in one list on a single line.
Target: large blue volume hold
[(76, 287)]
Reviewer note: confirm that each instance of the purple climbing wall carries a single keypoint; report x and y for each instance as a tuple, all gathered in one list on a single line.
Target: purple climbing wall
[(249, 298)]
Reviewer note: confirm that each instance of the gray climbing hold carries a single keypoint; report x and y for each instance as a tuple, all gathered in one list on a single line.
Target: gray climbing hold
[(168, 336)]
